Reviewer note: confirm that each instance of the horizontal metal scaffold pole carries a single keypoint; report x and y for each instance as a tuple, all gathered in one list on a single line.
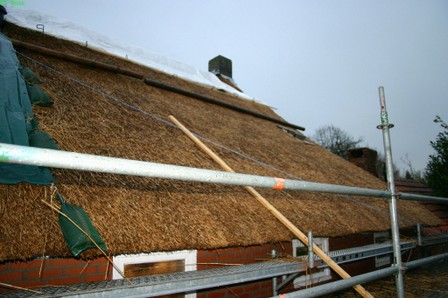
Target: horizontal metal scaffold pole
[(341, 284), (409, 196), (360, 279), (25, 155)]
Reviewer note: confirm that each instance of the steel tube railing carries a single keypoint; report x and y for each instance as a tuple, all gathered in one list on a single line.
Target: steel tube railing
[(87, 162), (341, 284), (412, 197), (425, 261), (360, 279)]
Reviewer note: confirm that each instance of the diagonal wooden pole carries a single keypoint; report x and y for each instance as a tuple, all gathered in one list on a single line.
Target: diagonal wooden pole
[(299, 234)]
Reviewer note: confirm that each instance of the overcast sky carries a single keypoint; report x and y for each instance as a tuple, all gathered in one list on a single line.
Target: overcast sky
[(317, 62)]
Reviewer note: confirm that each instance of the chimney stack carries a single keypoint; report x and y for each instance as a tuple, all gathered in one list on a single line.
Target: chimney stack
[(364, 158), (220, 65)]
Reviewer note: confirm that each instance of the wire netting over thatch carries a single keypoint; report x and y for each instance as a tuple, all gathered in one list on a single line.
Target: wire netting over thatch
[(136, 214)]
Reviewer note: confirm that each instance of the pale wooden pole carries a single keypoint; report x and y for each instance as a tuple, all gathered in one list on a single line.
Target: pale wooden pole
[(299, 234)]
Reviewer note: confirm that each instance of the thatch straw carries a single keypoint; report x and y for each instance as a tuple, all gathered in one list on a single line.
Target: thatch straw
[(135, 214)]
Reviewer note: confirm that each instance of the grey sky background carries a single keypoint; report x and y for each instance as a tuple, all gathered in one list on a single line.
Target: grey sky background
[(318, 62)]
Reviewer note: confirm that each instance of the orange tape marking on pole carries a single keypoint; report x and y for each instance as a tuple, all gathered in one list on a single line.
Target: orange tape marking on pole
[(280, 183)]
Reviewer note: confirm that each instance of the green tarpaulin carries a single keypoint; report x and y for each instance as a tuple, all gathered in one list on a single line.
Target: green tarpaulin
[(77, 240), (29, 75), (37, 96), (17, 123)]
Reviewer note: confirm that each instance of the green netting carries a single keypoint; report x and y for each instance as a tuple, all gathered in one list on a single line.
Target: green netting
[(77, 241), (29, 75), (38, 96)]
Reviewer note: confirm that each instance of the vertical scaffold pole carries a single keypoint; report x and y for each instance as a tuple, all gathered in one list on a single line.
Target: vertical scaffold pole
[(385, 126), (419, 235), (310, 250)]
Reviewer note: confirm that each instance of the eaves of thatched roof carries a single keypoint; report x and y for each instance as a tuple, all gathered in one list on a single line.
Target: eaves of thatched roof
[(136, 214)]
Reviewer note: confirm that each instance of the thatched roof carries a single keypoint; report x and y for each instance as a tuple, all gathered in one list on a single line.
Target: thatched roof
[(142, 215)]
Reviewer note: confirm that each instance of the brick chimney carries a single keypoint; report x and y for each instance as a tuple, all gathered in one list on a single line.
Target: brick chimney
[(220, 65), (364, 158)]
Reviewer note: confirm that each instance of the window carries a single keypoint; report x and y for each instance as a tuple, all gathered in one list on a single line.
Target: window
[(299, 249), (152, 268), (380, 237), (156, 263)]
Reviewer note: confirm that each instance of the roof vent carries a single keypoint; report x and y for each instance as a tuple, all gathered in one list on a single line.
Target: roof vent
[(220, 65)]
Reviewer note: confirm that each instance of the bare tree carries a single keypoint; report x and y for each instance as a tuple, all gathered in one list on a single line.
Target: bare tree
[(411, 173), (335, 139)]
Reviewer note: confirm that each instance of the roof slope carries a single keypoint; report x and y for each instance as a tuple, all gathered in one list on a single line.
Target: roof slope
[(136, 214)]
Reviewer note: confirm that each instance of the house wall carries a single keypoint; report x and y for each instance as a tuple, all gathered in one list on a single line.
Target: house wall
[(351, 241), (65, 271), (207, 259), (49, 272), (72, 271)]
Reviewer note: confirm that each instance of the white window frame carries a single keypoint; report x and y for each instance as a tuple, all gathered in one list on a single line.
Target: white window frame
[(188, 256), (321, 276)]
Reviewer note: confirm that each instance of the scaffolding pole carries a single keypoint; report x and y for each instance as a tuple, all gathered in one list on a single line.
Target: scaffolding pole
[(335, 286), (25, 155), (360, 279), (385, 126)]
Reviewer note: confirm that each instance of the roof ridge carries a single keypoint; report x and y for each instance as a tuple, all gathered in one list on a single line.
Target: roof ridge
[(148, 81)]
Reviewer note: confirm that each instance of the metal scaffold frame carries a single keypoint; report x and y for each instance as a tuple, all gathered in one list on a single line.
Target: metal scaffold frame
[(86, 162), (385, 126)]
